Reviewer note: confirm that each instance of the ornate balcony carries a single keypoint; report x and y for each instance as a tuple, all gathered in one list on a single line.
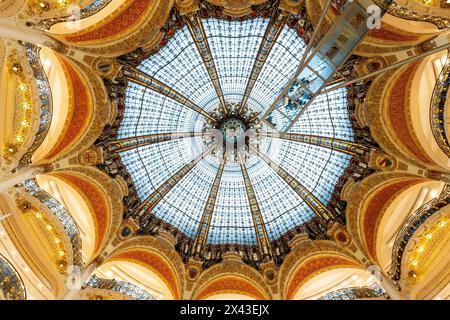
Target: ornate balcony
[(61, 214), (397, 10), (11, 284), (122, 287), (373, 291), (412, 224), (438, 108)]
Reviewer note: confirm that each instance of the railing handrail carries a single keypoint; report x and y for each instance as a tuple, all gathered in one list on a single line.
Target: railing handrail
[(395, 9), (64, 217), (419, 217), (122, 287), (18, 288), (438, 108), (352, 293)]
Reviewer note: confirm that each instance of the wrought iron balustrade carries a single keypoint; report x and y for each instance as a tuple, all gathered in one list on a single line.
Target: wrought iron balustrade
[(11, 283), (122, 287), (438, 108), (374, 291), (412, 224), (397, 10), (61, 214)]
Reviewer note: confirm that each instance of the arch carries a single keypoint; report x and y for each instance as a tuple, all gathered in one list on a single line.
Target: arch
[(156, 255), (395, 36), (233, 285), (389, 116), (101, 195), (231, 277), (421, 93), (142, 276), (119, 28), (310, 258), (76, 205), (368, 202), (81, 125), (397, 212), (332, 280)]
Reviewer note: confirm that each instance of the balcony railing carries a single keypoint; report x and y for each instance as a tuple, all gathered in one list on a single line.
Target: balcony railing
[(75, 13), (412, 224), (397, 10), (122, 287), (374, 291), (61, 214), (45, 101), (11, 284), (438, 108)]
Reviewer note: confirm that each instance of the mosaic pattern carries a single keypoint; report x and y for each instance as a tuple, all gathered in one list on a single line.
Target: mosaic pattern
[(181, 67)]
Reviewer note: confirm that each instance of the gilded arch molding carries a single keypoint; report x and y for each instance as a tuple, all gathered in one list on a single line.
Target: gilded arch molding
[(219, 278), (388, 114), (157, 254), (102, 195), (368, 202), (133, 24), (84, 122), (309, 258)]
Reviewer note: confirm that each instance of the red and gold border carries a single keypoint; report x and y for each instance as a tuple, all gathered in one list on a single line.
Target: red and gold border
[(398, 113), (315, 266), (375, 208), (155, 263), (231, 284), (80, 111), (123, 20), (97, 202)]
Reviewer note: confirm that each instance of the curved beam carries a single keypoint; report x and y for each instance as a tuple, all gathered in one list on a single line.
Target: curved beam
[(126, 144), (195, 26), (205, 222), (344, 146), (143, 211), (139, 77), (258, 221), (316, 206), (276, 24)]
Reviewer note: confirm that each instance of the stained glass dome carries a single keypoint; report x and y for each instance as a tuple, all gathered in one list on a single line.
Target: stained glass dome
[(184, 88)]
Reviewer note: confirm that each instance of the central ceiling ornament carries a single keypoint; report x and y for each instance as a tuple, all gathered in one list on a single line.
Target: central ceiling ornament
[(233, 128)]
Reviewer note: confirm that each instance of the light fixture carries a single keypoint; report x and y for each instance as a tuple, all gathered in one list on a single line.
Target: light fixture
[(16, 68), (428, 235)]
